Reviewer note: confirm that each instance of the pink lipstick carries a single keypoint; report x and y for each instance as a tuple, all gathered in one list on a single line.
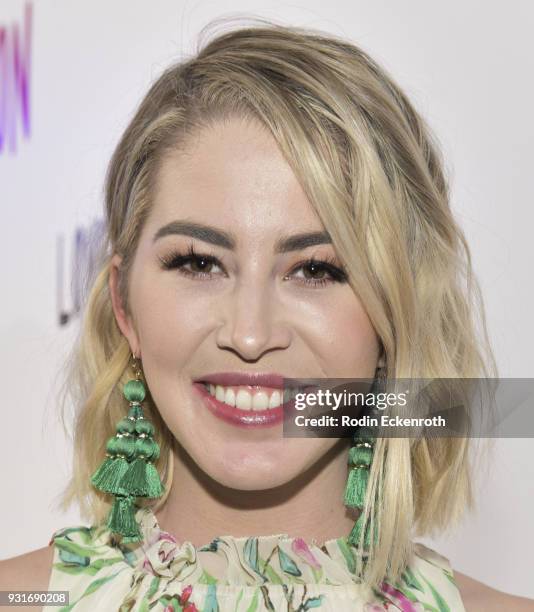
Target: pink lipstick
[(260, 396)]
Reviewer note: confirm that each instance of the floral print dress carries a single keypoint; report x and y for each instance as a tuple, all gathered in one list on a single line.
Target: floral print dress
[(234, 574)]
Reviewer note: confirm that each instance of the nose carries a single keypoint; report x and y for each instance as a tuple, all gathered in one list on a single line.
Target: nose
[(254, 322)]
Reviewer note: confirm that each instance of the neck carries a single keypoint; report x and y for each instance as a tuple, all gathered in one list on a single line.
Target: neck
[(310, 506)]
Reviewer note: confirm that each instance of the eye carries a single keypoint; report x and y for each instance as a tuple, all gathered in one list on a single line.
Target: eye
[(320, 272), (200, 264)]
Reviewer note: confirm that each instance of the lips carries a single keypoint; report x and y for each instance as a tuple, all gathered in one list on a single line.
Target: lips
[(254, 379), (243, 418)]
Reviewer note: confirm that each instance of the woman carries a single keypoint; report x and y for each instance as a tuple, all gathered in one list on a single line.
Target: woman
[(275, 209)]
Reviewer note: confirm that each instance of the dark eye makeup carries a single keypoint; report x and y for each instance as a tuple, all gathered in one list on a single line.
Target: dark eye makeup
[(198, 265)]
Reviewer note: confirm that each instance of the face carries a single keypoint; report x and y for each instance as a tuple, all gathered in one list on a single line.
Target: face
[(229, 299)]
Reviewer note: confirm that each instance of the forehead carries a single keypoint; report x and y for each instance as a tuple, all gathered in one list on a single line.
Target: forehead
[(234, 175)]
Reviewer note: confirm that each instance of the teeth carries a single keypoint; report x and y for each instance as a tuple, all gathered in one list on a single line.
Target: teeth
[(275, 399), (243, 399), (229, 397), (260, 401)]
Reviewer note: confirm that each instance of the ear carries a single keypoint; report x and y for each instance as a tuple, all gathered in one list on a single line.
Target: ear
[(124, 321)]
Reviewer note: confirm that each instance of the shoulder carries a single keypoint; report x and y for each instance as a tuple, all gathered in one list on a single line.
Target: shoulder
[(30, 571), (432, 570), (478, 597), (76, 557)]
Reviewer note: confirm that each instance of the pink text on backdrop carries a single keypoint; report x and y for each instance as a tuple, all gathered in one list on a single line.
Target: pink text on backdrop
[(15, 64)]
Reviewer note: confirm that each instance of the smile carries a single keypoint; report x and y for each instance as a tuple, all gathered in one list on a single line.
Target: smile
[(246, 397), (245, 405)]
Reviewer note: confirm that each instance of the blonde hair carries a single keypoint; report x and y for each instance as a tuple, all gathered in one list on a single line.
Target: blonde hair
[(372, 169)]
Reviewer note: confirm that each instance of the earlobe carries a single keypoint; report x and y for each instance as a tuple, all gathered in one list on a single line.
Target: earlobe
[(123, 320)]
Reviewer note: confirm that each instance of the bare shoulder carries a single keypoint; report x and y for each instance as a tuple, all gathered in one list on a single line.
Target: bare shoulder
[(30, 571), (478, 597)]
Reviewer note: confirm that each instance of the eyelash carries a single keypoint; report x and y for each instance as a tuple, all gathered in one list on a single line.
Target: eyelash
[(177, 260)]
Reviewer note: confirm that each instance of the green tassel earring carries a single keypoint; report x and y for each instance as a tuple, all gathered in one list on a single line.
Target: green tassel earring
[(359, 463), (128, 470)]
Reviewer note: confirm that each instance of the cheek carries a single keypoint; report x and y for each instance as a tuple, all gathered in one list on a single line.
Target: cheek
[(170, 321), (344, 336), (354, 326)]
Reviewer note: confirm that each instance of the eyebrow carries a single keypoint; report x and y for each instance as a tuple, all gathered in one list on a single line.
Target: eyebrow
[(208, 233)]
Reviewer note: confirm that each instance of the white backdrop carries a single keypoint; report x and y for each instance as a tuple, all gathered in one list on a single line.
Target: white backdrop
[(466, 64)]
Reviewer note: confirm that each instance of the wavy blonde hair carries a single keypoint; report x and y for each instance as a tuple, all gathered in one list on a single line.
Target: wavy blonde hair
[(373, 171)]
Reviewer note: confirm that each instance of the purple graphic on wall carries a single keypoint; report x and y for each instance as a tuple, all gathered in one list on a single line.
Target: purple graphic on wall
[(15, 64), (77, 267)]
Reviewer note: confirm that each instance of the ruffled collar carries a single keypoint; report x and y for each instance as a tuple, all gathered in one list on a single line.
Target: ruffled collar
[(160, 561), (277, 558)]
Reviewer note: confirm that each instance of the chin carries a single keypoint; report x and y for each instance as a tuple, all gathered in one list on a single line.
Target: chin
[(253, 474)]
